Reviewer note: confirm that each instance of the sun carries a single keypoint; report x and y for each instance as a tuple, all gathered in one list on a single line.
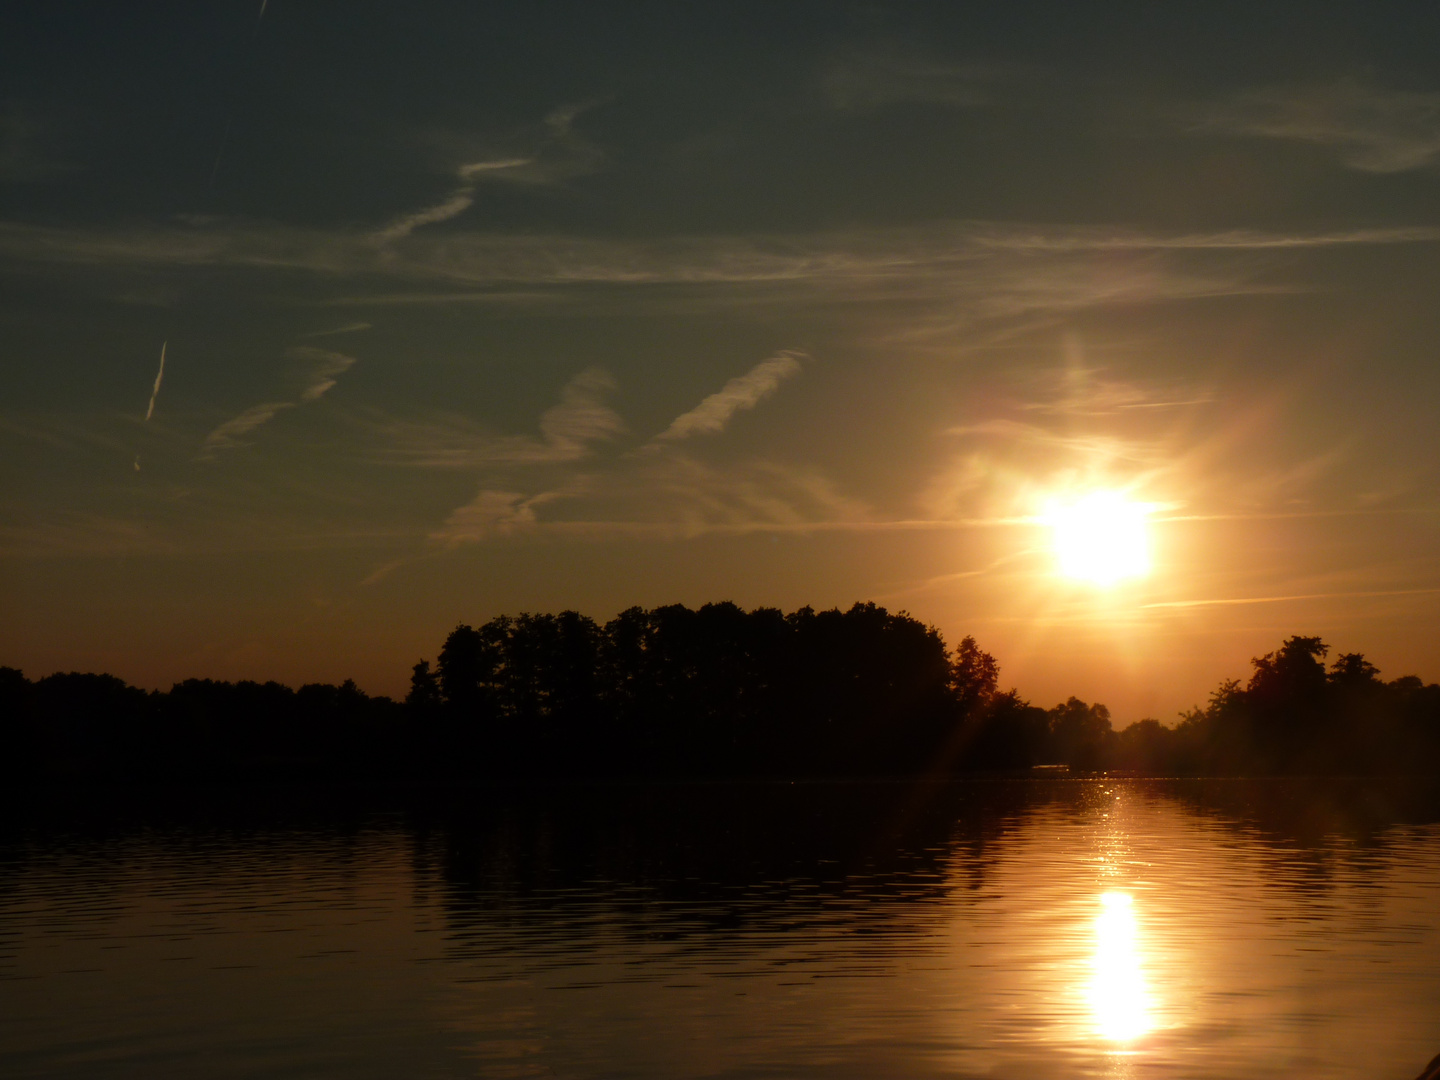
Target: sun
[(1100, 537)]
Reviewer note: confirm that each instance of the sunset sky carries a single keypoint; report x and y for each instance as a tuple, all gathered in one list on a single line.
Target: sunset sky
[(482, 308)]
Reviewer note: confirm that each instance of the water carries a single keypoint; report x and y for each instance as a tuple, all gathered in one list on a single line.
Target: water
[(1028, 930)]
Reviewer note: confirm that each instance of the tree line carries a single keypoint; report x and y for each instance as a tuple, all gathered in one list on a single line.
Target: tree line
[(713, 692)]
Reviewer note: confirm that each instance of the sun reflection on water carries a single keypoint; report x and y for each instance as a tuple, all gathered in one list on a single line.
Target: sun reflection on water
[(1119, 1002)]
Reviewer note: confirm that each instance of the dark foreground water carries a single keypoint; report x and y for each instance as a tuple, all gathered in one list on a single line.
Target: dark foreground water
[(1026, 930)]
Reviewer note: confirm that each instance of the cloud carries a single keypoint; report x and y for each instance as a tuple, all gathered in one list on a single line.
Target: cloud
[(348, 328), (670, 496), (483, 169), (1230, 601), (1072, 426), (569, 430), (692, 497), (489, 514), (910, 288), (227, 435), (1104, 447), (742, 392), (1374, 129), (459, 201), (659, 494), (559, 152), (976, 258), (582, 416), (1080, 391), (454, 206), (445, 441), (320, 369), (325, 368)]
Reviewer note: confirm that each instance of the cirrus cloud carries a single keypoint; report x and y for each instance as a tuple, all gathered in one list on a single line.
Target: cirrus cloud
[(1374, 129), (321, 368), (740, 393)]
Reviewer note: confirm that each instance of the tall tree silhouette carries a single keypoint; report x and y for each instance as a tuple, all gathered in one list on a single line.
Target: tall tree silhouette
[(715, 691)]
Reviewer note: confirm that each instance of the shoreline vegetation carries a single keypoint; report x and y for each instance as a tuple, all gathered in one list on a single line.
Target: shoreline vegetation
[(717, 693)]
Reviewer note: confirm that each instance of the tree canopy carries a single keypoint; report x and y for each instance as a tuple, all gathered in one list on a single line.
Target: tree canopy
[(711, 692)]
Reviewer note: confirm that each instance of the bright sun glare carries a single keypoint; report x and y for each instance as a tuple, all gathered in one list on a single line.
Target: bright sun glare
[(1118, 1000), (1100, 537)]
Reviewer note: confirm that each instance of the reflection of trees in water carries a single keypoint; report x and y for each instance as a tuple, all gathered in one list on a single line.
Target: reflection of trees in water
[(89, 866), (875, 866), (576, 870), (92, 842), (1311, 812), (692, 866), (1313, 835)]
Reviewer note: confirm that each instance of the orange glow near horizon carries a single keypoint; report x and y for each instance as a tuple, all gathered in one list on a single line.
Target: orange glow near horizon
[(1101, 537)]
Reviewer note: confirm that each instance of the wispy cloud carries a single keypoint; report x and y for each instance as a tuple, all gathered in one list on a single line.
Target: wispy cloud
[(569, 431), (489, 514), (1074, 428), (662, 493), (228, 435), (582, 417), (348, 328), (1246, 600), (1077, 390), (558, 152), (1107, 447), (324, 367), (456, 204), (932, 284), (671, 496), (566, 152), (444, 441), (1374, 129), (742, 392), (481, 170), (319, 370), (879, 261)]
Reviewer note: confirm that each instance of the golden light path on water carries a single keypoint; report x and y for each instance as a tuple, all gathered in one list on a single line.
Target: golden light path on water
[(1117, 993)]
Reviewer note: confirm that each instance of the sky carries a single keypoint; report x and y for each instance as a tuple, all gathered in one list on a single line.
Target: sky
[(470, 309)]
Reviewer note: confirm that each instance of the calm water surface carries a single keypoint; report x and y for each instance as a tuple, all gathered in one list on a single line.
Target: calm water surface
[(1026, 929)]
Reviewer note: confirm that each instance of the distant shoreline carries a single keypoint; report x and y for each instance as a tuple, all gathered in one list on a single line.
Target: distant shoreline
[(716, 693)]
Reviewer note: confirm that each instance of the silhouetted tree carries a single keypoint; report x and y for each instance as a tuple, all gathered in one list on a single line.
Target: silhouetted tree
[(424, 697), (1295, 716), (1010, 734), (1284, 704), (716, 691), (1080, 735), (18, 745), (1146, 747)]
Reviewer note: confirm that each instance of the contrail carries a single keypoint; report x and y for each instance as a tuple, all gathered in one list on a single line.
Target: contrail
[(262, 9), (158, 376)]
